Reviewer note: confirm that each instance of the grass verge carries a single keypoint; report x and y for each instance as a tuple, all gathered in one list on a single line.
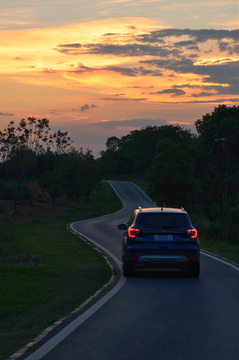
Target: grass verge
[(47, 271), (220, 248)]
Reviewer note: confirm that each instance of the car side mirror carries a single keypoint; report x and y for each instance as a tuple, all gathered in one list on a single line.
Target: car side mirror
[(122, 227)]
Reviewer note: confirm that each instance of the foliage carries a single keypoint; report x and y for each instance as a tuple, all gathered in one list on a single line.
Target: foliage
[(72, 176), (47, 271), (30, 149), (134, 152), (51, 182), (91, 178), (59, 141), (30, 135), (77, 175), (170, 177), (217, 153), (20, 147), (205, 175), (183, 169), (200, 173), (220, 131)]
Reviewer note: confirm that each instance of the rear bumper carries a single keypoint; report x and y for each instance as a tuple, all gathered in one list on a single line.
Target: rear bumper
[(181, 262), (162, 259)]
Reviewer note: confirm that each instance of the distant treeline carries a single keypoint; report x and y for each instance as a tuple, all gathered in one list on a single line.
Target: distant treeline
[(30, 150), (198, 172)]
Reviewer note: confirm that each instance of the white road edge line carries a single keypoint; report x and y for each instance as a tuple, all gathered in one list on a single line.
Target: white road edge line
[(215, 257), (55, 340)]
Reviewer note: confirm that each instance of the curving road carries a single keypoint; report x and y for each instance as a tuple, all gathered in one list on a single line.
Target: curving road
[(155, 316)]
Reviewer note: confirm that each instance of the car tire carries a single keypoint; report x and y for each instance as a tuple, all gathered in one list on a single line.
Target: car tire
[(128, 271), (194, 269)]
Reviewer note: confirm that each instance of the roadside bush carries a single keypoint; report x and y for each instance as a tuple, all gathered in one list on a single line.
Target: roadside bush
[(51, 182), (216, 230)]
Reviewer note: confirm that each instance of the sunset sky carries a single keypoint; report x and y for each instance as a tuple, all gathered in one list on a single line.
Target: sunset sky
[(104, 68)]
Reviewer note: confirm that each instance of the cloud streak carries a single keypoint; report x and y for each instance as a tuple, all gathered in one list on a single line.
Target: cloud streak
[(177, 52), (6, 114)]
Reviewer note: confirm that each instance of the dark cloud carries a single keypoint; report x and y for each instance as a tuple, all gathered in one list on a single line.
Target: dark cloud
[(157, 43), (110, 34), (118, 94), (174, 92), (82, 69), (211, 101), (69, 48), (226, 73), (178, 65), (202, 94), (119, 50), (75, 46), (202, 35), (53, 111), (230, 48), (86, 107), (132, 123), (194, 48), (122, 99), (140, 71), (185, 43), (6, 114), (175, 50), (188, 86), (50, 71), (218, 101)]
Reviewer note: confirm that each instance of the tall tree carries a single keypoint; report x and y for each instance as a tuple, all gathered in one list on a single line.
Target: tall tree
[(51, 182), (19, 147), (220, 131), (134, 152), (217, 155), (71, 170), (170, 177)]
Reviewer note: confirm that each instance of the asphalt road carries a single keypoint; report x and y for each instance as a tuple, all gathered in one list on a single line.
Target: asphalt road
[(152, 316)]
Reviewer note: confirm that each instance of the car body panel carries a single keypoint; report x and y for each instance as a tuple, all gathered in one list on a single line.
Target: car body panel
[(168, 246)]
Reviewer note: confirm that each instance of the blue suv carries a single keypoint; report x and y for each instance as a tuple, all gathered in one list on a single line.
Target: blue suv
[(160, 238)]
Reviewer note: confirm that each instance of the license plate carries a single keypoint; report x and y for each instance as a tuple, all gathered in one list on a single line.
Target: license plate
[(163, 237)]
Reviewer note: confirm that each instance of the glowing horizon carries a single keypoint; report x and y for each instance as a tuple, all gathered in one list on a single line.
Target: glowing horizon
[(101, 77)]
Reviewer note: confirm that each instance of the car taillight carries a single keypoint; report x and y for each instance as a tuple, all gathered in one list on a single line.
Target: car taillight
[(133, 232), (192, 233)]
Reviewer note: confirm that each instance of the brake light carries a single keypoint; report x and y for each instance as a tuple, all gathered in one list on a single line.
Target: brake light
[(133, 232), (192, 233)]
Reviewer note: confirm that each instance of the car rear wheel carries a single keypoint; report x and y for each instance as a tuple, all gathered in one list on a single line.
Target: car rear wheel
[(194, 269), (128, 271)]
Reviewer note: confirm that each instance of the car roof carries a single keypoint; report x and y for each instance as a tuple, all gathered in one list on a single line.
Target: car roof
[(161, 209)]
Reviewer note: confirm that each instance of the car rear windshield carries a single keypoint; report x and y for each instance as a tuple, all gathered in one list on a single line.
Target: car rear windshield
[(162, 221)]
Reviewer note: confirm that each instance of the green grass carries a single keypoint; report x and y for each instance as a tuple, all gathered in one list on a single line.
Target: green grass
[(47, 271), (221, 248)]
